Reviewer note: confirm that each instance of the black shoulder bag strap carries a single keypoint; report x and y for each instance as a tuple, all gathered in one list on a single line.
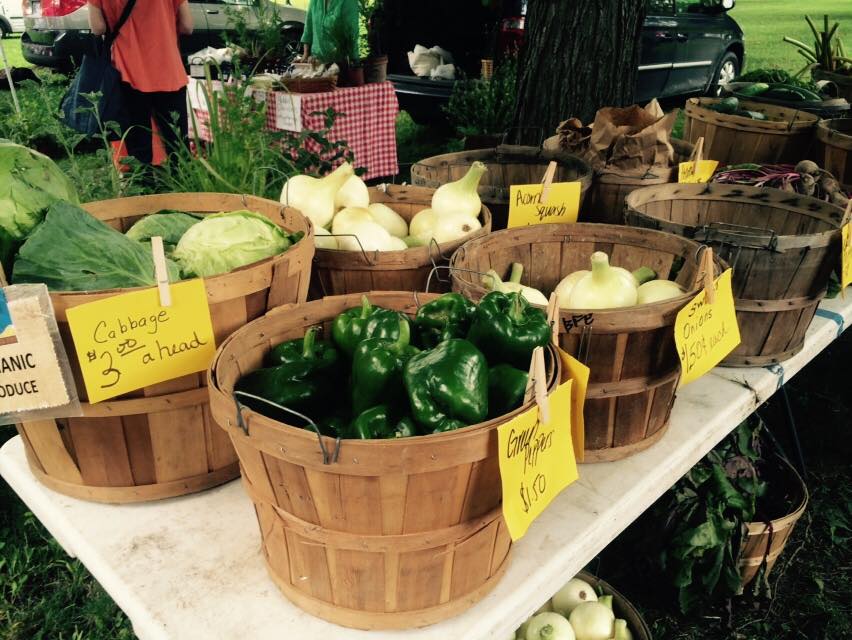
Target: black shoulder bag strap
[(111, 35)]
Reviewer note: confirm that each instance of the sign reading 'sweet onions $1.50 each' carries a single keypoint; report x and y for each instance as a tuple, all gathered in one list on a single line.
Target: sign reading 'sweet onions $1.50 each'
[(130, 341), (560, 205), (536, 460), (706, 333)]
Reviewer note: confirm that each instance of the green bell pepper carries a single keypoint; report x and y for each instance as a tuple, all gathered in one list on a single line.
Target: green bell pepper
[(443, 318), (377, 370), (320, 353), (507, 329), (447, 386), (354, 325), (507, 386), (381, 422), (294, 385)]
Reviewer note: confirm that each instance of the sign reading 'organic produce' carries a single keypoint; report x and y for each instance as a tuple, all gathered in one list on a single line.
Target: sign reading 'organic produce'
[(846, 257), (536, 460), (130, 341), (706, 333), (695, 172), (35, 379), (526, 205)]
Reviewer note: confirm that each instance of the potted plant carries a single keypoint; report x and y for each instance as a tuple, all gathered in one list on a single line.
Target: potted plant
[(728, 519), (827, 59), (343, 50), (376, 62), (481, 109)]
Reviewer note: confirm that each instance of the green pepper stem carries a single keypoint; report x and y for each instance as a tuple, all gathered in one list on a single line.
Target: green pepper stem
[(366, 308), (309, 342), (516, 308), (404, 334), (517, 272)]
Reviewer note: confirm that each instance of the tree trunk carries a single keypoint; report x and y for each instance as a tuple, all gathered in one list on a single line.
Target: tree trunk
[(579, 56)]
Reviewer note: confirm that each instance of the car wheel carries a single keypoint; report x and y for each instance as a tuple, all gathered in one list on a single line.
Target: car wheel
[(4, 31), (728, 69)]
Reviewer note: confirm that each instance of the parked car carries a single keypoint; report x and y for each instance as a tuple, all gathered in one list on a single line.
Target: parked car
[(11, 17), (57, 31), (688, 47)]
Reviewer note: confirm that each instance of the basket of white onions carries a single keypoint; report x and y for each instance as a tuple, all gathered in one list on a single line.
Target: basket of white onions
[(387, 237), (585, 608), (619, 291)]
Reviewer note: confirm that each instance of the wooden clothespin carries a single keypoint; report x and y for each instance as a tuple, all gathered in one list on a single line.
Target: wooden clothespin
[(708, 270), (553, 318), (160, 271), (698, 152), (537, 385), (547, 180)]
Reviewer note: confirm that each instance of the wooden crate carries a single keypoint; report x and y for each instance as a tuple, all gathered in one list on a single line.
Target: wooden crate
[(158, 442), (339, 272), (631, 352), (765, 541), (605, 199), (833, 150), (730, 139), (390, 533), (782, 247), (507, 165)]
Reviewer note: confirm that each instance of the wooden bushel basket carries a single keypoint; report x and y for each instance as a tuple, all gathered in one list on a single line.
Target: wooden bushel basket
[(507, 165), (782, 248), (621, 606), (605, 200), (161, 441), (381, 534), (785, 138), (631, 352), (765, 541), (834, 149), (339, 272)]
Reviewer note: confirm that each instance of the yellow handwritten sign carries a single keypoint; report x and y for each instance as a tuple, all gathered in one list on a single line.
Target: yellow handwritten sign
[(687, 173), (129, 341), (536, 461), (578, 373), (846, 256), (705, 333), (526, 207)]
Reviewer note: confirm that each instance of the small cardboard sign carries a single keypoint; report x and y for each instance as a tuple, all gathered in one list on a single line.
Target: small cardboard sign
[(536, 460), (846, 256), (527, 206), (688, 173), (130, 341), (706, 333), (35, 379)]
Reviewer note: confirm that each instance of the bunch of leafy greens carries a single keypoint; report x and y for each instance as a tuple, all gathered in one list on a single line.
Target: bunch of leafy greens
[(481, 107), (223, 242), (705, 513), (169, 225), (29, 183), (74, 251)]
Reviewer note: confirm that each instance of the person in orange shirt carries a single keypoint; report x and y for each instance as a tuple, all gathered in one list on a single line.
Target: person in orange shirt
[(153, 79)]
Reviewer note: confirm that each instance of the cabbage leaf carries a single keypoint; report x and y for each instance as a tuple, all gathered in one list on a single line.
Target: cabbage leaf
[(170, 225), (74, 251)]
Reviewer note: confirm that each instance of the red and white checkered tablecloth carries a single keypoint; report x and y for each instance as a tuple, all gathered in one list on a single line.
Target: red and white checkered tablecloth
[(366, 122)]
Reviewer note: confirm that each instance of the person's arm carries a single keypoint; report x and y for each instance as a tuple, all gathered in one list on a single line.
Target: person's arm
[(97, 22), (184, 19)]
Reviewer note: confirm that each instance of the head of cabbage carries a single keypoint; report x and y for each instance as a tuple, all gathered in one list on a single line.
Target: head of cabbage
[(29, 183), (223, 242)]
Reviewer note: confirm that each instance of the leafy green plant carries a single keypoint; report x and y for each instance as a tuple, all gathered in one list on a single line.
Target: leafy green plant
[(827, 53), (258, 30), (244, 155), (704, 517), (480, 107), (38, 126), (369, 11)]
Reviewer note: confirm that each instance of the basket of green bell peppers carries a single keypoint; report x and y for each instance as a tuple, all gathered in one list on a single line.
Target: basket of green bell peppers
[(379, 373)]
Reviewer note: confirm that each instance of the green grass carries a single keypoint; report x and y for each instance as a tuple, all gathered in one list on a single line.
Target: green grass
[(12, 47), (766, 22)]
